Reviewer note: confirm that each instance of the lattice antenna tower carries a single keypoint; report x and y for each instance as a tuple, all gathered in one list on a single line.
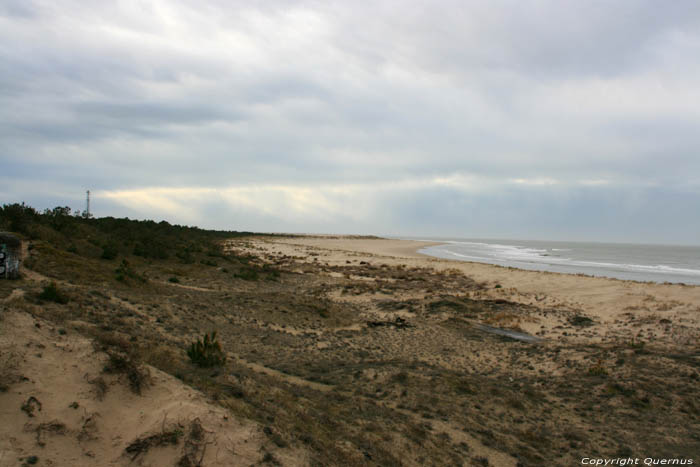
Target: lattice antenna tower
[(87, 211)]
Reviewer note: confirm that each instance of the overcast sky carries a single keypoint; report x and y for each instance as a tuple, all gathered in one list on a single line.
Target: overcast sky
[(506, 119)]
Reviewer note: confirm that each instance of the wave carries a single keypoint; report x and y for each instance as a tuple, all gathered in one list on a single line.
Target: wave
[(662, 268), (536, 257), (497, 249)]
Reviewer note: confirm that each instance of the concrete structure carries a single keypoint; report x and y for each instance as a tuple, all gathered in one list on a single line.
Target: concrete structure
[(10, 255)]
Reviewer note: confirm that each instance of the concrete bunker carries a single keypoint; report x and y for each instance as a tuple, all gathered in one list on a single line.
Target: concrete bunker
[(10, 255)]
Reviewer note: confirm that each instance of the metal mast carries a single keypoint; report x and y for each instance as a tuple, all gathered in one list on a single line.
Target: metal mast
[(87, 211)]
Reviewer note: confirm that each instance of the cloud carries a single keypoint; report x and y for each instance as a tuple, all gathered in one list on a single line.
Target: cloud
[(344, 115)]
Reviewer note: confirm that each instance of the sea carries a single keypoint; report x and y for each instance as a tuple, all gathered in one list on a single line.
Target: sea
[(645, 263)]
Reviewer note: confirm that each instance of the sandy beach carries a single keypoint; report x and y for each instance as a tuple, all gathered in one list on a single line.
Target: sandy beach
[(611, 303)]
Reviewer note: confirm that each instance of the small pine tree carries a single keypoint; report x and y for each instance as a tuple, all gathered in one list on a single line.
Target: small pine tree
[(206, 352)]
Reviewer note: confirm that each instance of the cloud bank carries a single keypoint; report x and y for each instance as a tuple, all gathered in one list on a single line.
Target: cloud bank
[(547, 119)]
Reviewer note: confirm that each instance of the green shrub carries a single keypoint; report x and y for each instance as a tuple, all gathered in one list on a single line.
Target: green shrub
[(206, 352), (18, 217), (637, 344), (185, 256), (124, 273), (174, 280), (247, 274), (51, 293), (73, 231), (151, 247), (272, 273), (580, 320), (109, 251), (401, 377), (598, 369)]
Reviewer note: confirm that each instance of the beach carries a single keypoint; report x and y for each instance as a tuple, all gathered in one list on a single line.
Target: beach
[(340, 351), (610, 302)]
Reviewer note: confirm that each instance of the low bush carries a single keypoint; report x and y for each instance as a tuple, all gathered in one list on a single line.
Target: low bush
[(185, 256), (247, 274), (582, 321), (124, 272), (206, 352), (126, 364), (598, 369), (52, 293), (109, 251)]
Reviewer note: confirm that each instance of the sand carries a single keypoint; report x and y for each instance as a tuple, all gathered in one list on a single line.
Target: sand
[(59, 408), (605, 300), (347, 351)]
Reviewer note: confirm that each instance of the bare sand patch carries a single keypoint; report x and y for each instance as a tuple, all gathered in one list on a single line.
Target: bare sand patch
[(66, 422)]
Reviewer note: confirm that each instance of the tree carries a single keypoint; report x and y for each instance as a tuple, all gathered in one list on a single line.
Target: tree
[(59, 217)]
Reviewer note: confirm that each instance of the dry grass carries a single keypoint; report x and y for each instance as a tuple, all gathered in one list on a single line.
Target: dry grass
[(137, 375), (503, 320), (308, 367), (167, 435), (195, 445), (9, 368)]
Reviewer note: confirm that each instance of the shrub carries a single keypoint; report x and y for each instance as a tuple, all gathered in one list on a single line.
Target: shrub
[(247, 274), (9, 366), (150, 247), (215, 251), (17, 217), (109, 251), (124, 363), (51, 293), (206, 352), (174, 280), (579, 320), (637, 344), (400, 377), (185, 256), (124, 272), (598, 369), (272, 273)]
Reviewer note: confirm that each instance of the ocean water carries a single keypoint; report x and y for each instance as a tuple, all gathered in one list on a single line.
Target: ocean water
[(656, 263)]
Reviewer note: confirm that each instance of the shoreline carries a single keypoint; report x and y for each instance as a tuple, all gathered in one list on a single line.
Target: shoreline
[(603, 268), (577, 274), (606, 300)]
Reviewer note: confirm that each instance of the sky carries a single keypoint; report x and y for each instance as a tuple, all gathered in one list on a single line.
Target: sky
[(568, 120)]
